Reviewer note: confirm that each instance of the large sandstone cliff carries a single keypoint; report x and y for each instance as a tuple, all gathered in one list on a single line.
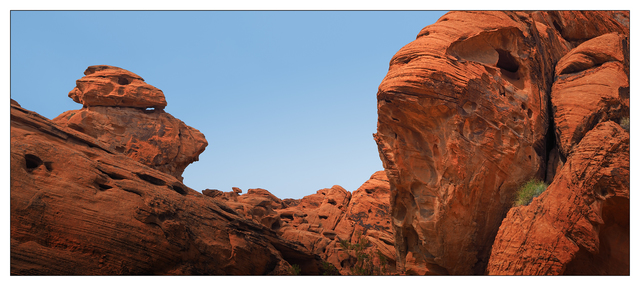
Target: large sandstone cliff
[(480, 103)]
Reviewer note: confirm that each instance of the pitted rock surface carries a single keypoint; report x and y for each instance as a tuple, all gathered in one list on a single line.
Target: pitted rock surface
[(105, 85), (580, 224), (152, 137), (465, 116), (321, 220), (77, 208)]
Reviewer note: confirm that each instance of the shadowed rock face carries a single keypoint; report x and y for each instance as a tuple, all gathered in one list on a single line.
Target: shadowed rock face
[(79, 208), (464, 118), (114, 112)]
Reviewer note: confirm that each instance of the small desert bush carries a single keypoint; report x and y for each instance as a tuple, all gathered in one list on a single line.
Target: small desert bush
[(329, 269), (625, 123), (364, 257), (528, 191), (295, 269)]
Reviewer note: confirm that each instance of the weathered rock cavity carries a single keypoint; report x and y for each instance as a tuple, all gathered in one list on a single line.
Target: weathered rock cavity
[(464, 118)]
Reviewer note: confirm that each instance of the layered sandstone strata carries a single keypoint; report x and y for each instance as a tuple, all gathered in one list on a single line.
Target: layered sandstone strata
[(465, 116), (80, 208)]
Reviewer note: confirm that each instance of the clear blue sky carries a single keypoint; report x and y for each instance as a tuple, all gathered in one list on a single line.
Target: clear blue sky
[(286, 99)]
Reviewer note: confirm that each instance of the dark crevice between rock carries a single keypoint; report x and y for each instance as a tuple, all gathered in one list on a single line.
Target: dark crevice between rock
[(557, 26), (550, 144)]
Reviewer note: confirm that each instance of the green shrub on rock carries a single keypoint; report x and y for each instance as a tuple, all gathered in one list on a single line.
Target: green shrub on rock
[(625, 123), (528, 191)]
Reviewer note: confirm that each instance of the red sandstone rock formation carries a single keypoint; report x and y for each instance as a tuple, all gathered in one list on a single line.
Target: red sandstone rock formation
[(79, 208), (464, 119), (114, 112), (112, 86), (580, 225), (321, 220), (368, 214), (592, 86)]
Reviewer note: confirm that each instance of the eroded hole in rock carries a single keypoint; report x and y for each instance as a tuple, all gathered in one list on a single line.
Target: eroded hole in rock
[(121, 90), (323, 217), (123, 81), (104, 187), (286, 216), (405, 60), (151, 179), (506, 61), (276, 225), (32, 161), (133, 192), (49, 166), (119, 149), (113, 175), (179, 189), (332, 201)]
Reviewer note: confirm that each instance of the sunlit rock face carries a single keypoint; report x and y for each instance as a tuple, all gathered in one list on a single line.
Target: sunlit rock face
[(105, 85), (124, 112), (78, 208), (580, 224), (464, 118), (322, 220)]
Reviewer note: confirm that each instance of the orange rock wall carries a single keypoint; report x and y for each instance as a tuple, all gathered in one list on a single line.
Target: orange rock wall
[(467, 113)]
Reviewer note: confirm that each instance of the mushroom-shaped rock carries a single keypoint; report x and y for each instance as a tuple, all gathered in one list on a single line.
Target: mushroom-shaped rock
[(105, 85), (118, 119)]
